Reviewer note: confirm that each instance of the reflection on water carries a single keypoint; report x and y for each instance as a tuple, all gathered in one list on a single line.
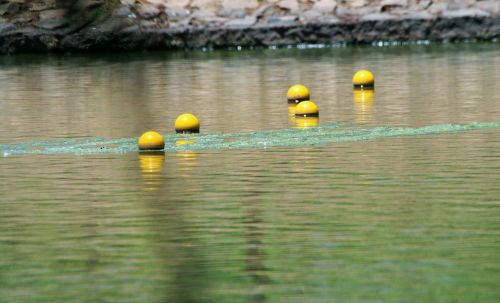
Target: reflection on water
[(306, 122), (186, 159), (291, 113), (151, 164), (365, 216), (363, 99)]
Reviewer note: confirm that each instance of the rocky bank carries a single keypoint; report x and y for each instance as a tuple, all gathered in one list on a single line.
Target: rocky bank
[(92, 25)]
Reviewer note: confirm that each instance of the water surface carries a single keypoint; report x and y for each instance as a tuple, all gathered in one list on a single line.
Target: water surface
[(403, 218)]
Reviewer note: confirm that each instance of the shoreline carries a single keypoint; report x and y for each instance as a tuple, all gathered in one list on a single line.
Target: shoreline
[(129, 28)]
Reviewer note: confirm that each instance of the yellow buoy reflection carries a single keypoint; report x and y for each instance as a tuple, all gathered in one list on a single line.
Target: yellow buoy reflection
[(306, 122), (291, 113), (182, 142), (151, 164), (363, 100), (186, 159)]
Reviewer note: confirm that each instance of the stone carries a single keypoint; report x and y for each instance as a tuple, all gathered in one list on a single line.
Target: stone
[(262, 10), (290, 5), (203, 15), (178, 4), (53, 14), (328, 20), (25, 18), (324, 6), (349, 13), (163, 3), (148, 24), (377, 17), (283, 21), (147, 11), (471, 12), (236, 13), (402, 3), (357, 3), (230, 5), (128, 2), (122, 12), (310, 15), (6, 27), (176, 14), (416, 15), (242, 23), (206, 5), (40, 6), (51, 24), (10, 8), (420, 5), (90, 4), (438, 8), (492, 7), (457, 5)]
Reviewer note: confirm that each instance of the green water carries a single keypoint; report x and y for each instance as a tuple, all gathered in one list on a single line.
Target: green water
[(394, 197)]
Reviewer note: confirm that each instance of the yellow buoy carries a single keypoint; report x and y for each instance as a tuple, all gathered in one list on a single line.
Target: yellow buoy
[(363, 79), (297, 93), (187, 124), (306, 122), (306, 109), (151, 140)]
